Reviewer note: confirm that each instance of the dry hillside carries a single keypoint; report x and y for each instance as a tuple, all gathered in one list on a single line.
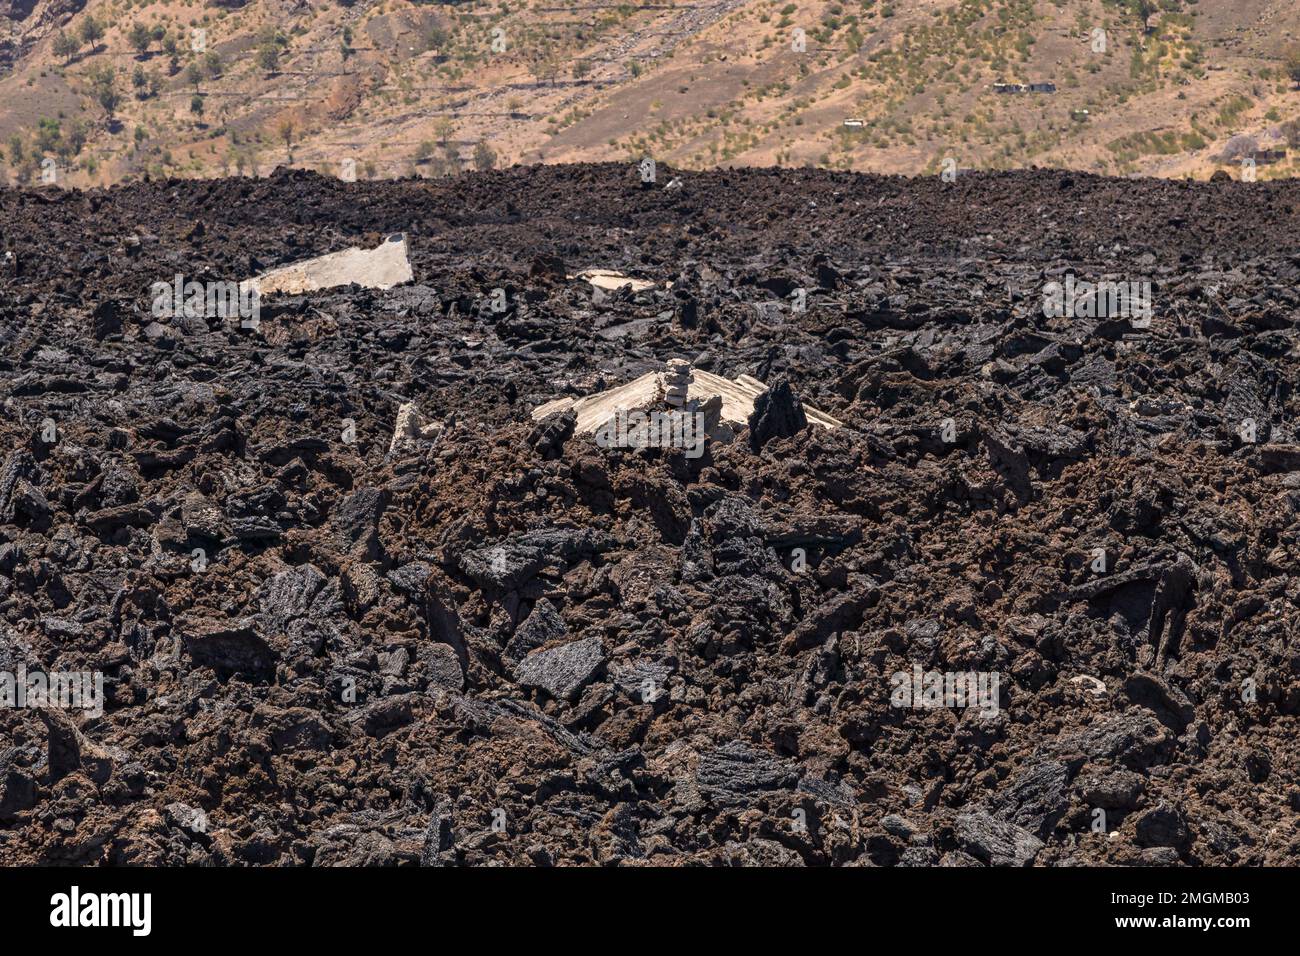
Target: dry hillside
[(108, 90)]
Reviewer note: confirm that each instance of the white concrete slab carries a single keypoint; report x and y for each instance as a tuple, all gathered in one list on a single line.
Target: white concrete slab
[(382, 267), (650, 389)]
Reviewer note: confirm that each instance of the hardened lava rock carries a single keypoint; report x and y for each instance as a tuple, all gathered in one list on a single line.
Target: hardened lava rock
[(778, 413), (1030, 604)]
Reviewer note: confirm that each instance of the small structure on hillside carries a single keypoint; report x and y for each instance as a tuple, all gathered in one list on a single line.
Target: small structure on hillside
[(1024, 87)]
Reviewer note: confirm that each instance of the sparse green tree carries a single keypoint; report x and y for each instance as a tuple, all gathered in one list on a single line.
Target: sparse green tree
[(194, 75), (91, 31), (1291, 130), (48, 135), (345, 46), (140, 37), (1145, 10), (196, 106), (444, 128), (1293, 64), (213, 65), (435, 37), (103, 87), (65, 46), (449, 164), (70, 145), (268, 57), (286, 131), (485, 156)]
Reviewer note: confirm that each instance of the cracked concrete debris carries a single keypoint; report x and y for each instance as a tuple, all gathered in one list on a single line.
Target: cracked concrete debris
[(382, 267), (412, 427), (610, 280), (655, 388)]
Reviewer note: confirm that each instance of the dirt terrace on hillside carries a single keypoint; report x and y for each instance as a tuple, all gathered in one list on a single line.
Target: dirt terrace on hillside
[(510, 645)]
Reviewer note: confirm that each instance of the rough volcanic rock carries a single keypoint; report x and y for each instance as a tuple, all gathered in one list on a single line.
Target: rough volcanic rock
[(562, 671), (995, 841), (338, 655), (778, 413)]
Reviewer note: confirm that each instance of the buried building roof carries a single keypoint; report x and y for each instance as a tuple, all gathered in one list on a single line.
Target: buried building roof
[(382, 267), (652, 389)]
